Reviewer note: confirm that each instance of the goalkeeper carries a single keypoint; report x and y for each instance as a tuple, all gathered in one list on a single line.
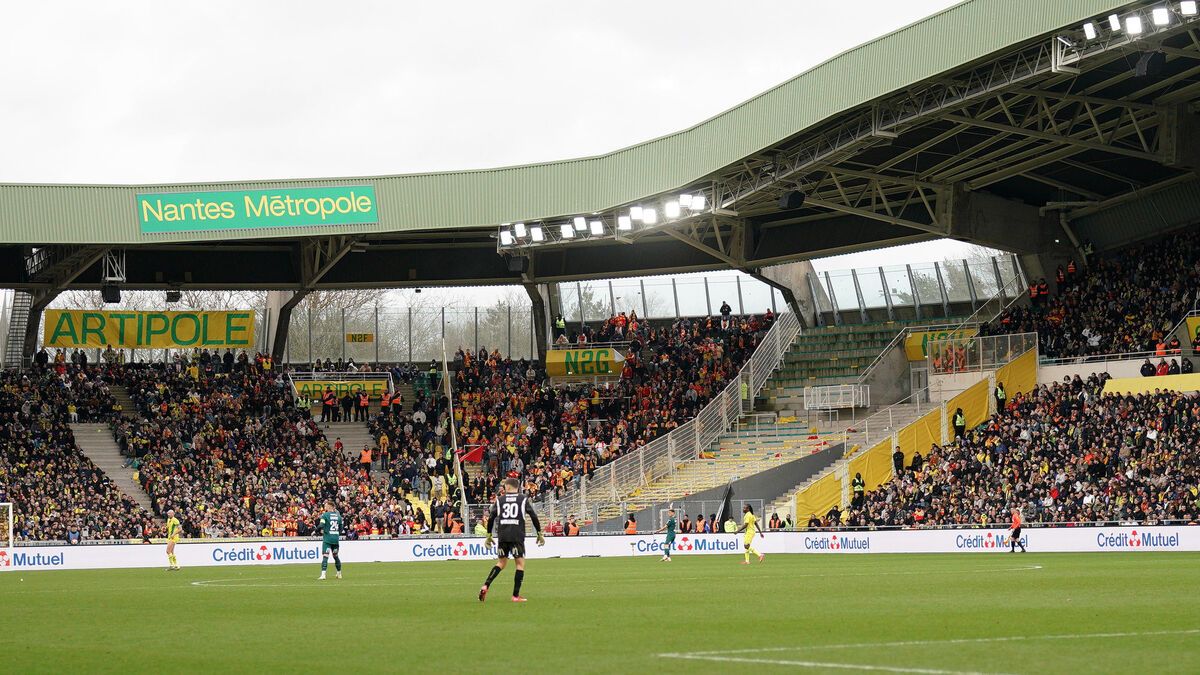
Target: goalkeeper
[(506, 518)]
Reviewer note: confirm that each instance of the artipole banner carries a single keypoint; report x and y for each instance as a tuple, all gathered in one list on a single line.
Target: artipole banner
[(70, 328)]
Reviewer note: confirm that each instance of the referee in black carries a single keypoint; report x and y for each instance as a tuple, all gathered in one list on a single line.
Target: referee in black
[(506, 518)]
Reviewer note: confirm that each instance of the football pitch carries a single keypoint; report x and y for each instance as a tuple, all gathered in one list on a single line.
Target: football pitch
[(968, 613)]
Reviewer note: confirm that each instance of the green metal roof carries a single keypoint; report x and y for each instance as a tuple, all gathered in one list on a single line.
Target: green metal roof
[(965, 33)]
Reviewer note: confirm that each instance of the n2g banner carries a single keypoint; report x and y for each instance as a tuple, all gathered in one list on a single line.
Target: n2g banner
[(916, 343), (71, 328)]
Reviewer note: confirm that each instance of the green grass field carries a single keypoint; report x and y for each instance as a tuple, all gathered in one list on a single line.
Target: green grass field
[(1032, 613)]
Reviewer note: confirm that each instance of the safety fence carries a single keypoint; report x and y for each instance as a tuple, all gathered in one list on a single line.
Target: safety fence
[(659, 458)]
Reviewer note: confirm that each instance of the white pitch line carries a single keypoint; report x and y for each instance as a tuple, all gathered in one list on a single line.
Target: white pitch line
[(824, 664), (237, 582), (923, 643)]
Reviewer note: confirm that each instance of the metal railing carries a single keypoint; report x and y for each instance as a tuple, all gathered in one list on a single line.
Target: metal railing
[(620, 346), (885, 420), (830, 397), (977, 354), (660, 457), (1104, 359)]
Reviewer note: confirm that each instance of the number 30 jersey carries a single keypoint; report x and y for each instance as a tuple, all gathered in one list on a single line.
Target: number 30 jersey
[(507, 517)]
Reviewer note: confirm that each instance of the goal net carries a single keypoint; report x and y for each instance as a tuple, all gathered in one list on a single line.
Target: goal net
[(6, 525)]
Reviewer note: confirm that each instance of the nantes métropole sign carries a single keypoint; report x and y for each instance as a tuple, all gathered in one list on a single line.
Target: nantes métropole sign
[(69, 328), (247, 209)]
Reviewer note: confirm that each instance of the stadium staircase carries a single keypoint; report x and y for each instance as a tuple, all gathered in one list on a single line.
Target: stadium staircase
[(97, 443), (14, 343), (354, 436), (825, 356), (128, 408), (735, 455), (859, 436)]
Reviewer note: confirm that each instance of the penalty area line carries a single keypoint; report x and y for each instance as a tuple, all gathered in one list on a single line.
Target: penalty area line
[(823, 664), (926, 643)]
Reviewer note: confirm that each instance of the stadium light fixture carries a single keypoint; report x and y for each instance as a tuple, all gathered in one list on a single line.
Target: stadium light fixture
[(1133, 24), (649, 216), (685, 201), (1114, 22), (519, 230), (597, 228), (536, 234), (580, 223), (624, 223), (1160, 16), (567, 231), (506, 238), (1187, 8), (1089, 30), (671, 209), (698, 202), (635, 212)]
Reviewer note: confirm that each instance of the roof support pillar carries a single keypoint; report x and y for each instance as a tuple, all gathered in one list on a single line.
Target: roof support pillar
[(539, 302), (791, 280)]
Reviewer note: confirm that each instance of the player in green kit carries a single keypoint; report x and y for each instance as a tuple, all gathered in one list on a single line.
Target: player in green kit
[(670, 530), (331, 529)]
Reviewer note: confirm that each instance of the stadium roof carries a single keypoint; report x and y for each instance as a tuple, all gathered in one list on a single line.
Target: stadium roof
[(957, 125)]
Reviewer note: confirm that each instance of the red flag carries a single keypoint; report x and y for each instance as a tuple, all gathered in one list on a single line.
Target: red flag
[(471, 454)]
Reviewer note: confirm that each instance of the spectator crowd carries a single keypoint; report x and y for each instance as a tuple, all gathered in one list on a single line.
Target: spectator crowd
[(1066, 453), (1123, 302)]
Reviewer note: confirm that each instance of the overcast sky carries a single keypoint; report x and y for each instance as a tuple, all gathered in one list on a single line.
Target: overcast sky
[(145, 92)]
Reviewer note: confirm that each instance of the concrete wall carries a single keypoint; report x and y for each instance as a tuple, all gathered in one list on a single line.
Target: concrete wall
[(942, 388), (795, 277), (1116, 368), (891, 380), (768, 486)]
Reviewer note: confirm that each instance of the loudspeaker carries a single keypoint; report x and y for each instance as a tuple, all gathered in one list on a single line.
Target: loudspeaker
[(1150, 64), (174, 296), (518, 264), (791, 200), (110, 292)]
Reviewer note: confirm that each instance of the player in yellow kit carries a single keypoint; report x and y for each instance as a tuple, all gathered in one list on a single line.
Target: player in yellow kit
[(174, 531), (749, 525)]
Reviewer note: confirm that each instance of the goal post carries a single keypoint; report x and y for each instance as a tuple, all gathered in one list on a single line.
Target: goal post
[(6, 525)]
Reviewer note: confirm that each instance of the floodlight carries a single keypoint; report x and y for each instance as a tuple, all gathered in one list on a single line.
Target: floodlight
[(567, 232), (635, 212), (1114, 22), (580, 223), (698, 202), (536, 233), (685, 201), (671, 209), (624, 223), (1160, 16), (597, 227), (506, 238), (649, 216), (519, 229), (1187, 8), (1133, 24), (1089, 30)]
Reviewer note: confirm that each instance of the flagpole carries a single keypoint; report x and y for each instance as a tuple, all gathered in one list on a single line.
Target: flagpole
[(464, 511)]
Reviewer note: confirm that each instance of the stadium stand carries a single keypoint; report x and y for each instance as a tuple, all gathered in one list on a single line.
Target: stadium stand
[(1064, 453), (231, 453), (1124, 302), (57, 492), (549, 436)]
